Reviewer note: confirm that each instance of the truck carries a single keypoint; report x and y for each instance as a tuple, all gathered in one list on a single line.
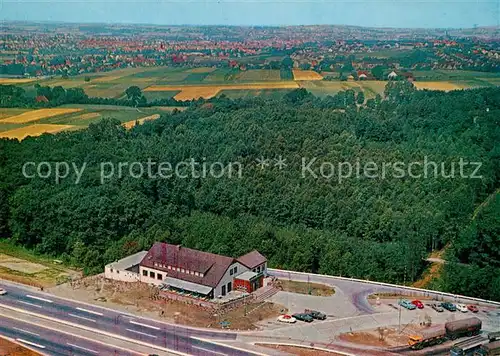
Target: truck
[(489, 349), (450, 331)]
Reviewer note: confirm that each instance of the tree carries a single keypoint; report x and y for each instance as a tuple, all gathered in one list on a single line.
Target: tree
[(360, 98), (378, 72), (134, 94)]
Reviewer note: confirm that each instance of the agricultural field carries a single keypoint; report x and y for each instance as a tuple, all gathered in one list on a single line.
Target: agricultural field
[(306, 75), (16, 80), (36, 115), (33, 130), (445, 86), (258, 75), (72, 117), (189, 92)]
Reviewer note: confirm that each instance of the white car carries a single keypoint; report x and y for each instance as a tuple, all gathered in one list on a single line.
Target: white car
[(3, 291), (462, 308), (287, 319)]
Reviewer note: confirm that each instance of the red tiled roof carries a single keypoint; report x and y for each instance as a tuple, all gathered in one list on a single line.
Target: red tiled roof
[(212, 266), (252, 259)]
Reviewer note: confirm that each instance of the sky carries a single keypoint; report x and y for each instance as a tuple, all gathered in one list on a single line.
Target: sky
[(370, 13)]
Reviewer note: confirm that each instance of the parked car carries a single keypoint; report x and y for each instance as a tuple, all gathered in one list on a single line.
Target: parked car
[(406, 304), (315, 314), (462, 308), (418, 304), (286, 319), (449, 306), (472, 308), (437, 308), (3, 291), (303, 317)]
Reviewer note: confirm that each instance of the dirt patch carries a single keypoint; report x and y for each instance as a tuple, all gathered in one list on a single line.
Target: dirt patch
[(8, 348), (19, 265), (316, 289), (380, 337), (301, 351), (142, 298), (22, 267), (429, 275)]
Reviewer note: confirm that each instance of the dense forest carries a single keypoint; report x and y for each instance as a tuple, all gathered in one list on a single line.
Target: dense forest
[(380, 228)]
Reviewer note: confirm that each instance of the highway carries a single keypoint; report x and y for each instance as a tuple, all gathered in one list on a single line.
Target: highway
[(53, 342), (114, 323)]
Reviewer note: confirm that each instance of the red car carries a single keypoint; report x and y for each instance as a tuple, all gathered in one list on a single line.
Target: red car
[(418, 304), (472, 308)]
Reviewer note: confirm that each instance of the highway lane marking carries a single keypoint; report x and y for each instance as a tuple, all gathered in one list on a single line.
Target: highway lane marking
[(145, 325), (38, 298), (30, 304), (82, 348), (138, 332), (30, 343), (25, 331), (82, 317), (89, 311), (209, 341), (95, 341), (211, 351)]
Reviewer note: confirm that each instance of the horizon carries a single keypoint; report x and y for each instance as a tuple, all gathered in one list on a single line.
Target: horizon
[(431, 14)]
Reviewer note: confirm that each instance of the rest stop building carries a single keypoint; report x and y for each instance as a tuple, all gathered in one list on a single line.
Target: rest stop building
[(192, 271)]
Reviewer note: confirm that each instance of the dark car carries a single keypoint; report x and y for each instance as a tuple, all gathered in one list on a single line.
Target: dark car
[(303, 317), (449, 306), (437, 308), (316, 314)]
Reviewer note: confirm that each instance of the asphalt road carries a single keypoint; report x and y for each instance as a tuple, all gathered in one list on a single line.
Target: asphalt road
[(53, 342), (355, 291), (172, 337)]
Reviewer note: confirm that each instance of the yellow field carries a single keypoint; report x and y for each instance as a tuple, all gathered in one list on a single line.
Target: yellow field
[(35, 115), (132, 123), (16, 80), (189, 92), (34, 130), (446, 86), (196, 93), (306, 75)]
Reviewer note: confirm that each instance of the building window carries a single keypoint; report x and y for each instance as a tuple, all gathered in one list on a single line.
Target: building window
[(111, 270), (159, 276), (258, 269), (231, 272), (182, 270), (178, 269), (151, 274), (223, 290), (191, 272), (169, 267), (235, 269), (201, 275), (144, 273), (229, 287), (117, 272), (155, 264)]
